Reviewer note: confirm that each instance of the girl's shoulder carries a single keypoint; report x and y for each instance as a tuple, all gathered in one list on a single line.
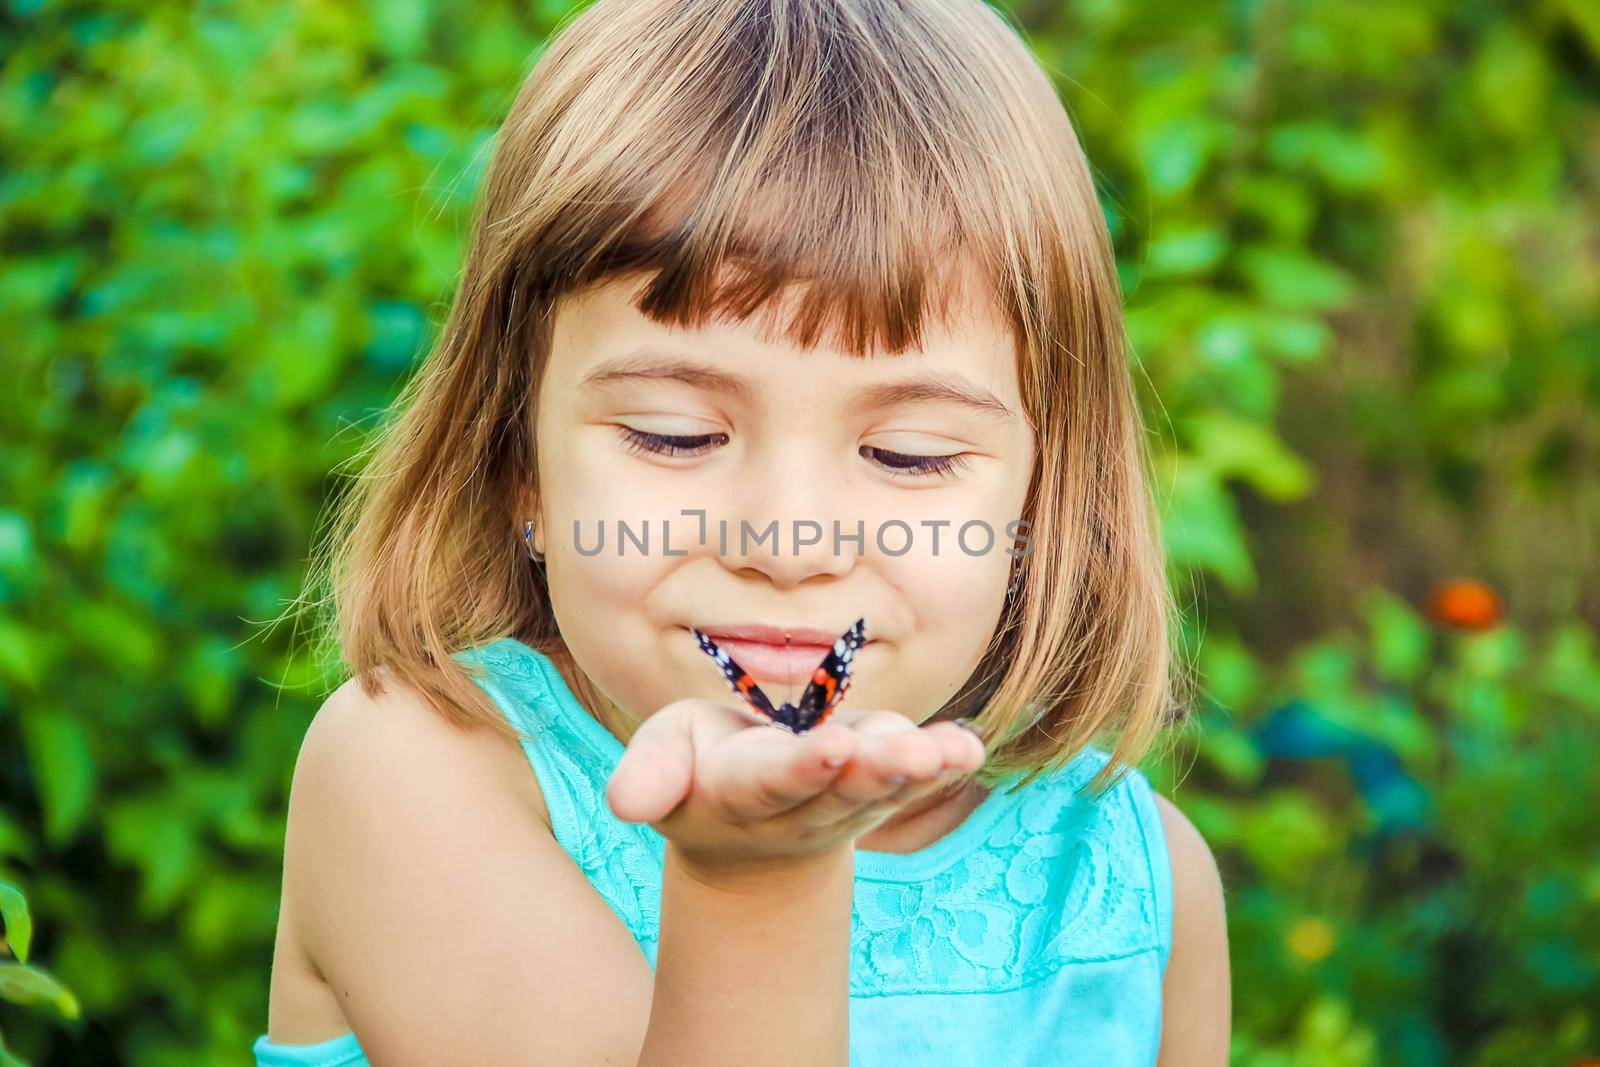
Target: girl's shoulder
[(399, 820), (361, 737), (375, 775)]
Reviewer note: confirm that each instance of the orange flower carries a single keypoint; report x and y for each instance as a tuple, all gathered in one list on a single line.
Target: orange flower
[(1464, 604)]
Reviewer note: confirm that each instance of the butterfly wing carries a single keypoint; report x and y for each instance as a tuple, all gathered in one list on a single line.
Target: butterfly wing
[(738, 678), (830, 680)]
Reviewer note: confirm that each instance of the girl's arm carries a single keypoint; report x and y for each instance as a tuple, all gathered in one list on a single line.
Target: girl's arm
[(431, 896), (1196, 999), (754, 963), (753, 969), (452, 928)]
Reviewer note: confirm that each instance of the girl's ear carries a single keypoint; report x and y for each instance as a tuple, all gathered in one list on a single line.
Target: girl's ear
[(532, 528)]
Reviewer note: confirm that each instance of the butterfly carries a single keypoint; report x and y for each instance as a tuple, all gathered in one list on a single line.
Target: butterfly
[(826, 688)]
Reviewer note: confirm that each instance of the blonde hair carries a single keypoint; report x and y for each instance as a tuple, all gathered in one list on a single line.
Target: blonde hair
[(726, 150)]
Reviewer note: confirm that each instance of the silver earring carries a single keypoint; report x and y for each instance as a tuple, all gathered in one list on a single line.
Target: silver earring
[(527, 539)]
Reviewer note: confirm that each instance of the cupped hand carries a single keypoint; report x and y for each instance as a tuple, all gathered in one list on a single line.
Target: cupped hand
[(727, 788)]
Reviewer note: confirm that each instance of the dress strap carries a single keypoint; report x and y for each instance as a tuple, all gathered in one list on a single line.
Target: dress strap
[(573, 757), (1159, 860)]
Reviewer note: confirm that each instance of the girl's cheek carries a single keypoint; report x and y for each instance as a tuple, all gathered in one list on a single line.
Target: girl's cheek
[(956, 594), (606, 575), (597, 605)]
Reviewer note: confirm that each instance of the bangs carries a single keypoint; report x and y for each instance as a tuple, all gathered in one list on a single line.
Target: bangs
[(743, 156), (860, 279)]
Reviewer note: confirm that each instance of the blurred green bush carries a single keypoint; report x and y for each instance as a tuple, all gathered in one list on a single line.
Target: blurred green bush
[(1359, 246)]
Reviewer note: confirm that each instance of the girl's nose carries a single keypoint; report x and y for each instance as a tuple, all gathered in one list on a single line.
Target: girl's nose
[(789, 523)]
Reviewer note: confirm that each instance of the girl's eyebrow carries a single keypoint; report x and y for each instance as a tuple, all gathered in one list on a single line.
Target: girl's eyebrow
[(934, 388), (645, 365), (649, 365)]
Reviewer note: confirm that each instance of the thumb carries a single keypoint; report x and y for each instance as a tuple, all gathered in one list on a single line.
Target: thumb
[(656, 769)]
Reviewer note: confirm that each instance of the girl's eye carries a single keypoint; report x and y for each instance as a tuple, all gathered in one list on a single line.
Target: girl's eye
[(916, 466), (666, 444)]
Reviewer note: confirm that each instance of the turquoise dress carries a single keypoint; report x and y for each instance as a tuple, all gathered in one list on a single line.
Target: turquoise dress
[(1036, 932)]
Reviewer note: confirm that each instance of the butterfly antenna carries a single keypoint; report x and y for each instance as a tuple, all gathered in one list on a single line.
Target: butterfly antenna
[(788, 697)]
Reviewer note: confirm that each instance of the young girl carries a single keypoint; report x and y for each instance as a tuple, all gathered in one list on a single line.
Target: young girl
[(772, 308)]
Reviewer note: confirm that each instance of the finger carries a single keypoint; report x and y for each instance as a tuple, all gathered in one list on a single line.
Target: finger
[(777, 770), (882, 722), (899, 762), (893, 751), (960, 749), (656, 769), (891, 755), (963, 752), (868, 816)]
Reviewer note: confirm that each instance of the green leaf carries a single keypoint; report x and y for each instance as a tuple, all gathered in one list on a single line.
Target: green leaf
[(1571, 666), (21, 654), (1288, 835), (1295, 338), (1176, 151), (1328, 670), (1284, 205), (1189, 251), (19, 924), (1293, 279), (1400, 638), (1201, 528), (1231, 753), (16, 543), (209, 675), (400, 27), (1231, 674), (21, 983), (1510, 82), (1232, 447), (7, 1059), (162, 841), (1492, 656), (1347, 159), (63, 765)]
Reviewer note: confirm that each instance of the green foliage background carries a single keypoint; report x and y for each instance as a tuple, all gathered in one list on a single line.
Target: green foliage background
[(1359, 243)]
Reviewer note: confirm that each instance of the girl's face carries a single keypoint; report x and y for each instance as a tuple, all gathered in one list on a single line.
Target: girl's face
[(911, 458)]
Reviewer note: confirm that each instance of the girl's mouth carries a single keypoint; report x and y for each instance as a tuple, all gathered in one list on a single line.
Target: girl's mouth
[(788, 655), (789, 665)]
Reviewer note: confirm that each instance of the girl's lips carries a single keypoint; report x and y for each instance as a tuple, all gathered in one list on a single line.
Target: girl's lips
[(773, 653), (790, 665), (773, 635)]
